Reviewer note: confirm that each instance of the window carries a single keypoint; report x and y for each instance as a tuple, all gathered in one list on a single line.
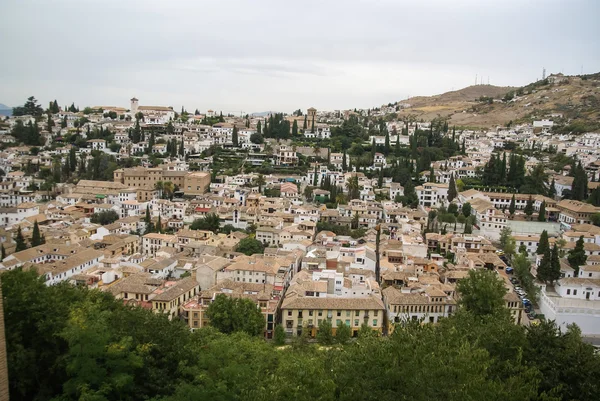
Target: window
[(357, 313), (321, 313), (289, 313), (339, 313), (574, 292), (338, 323), (356, 323), (310, 312), (374, 322), (568, 292)]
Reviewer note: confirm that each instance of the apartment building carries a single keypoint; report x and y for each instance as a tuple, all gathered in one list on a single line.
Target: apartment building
[(173, 295), (432, 194)]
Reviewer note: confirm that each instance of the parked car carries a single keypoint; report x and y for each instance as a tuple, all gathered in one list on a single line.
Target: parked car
[(509, 270)]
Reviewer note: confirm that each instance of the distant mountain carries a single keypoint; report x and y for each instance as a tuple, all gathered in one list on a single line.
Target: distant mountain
[(263, 113), (5, 110)]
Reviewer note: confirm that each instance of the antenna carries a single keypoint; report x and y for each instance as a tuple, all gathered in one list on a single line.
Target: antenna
[(488, 79), (543, 73), (475, 79)]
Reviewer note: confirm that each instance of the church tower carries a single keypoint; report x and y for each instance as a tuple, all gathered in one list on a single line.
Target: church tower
[(134, 105)]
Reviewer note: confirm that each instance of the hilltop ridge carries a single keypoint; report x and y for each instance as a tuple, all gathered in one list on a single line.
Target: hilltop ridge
[(566, 99)]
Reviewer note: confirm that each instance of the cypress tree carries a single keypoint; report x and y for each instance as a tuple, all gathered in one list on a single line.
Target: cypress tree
[(513, 206), (552, 190), (312, 126), (344, 166), (431, 175), (452, 192), (529, 207), (3, 251), (387, 143), (259, 128), (36, 237), (380, 179), (21, 245), (542, 213), (577, 256), (295, 128), (234, 136), (503, 170), (543, 244), (315, 177), (305, 125), (554, 265), (594, 198), (580, 184)]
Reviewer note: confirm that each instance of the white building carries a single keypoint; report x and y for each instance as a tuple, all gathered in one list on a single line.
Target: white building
[(432, 194), (574, 300)]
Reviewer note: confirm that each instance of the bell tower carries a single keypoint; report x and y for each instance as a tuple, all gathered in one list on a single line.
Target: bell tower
[(134, 105)]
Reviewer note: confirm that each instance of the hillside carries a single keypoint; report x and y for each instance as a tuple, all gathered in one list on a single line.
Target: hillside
[(575, 98)]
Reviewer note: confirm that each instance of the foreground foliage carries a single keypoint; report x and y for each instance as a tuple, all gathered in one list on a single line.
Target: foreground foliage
[(68, 343)]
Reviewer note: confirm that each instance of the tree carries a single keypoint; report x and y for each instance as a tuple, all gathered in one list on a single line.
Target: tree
[(3, 255), (279, 335), (295, 128), (259, 181), (305, 124), (250, 246), (579, 188), (543, 244), (552, 189), (452, 193), (104, 217), (468, 229), (36, 237), (512, 207), (343, 334), (230, 315), (466, 209), (353, 187), (324, 333), (577, 256), (542, 212), (148, 221), (30, 108), (594, 198), (210, 222), (522, 268), (481, 292), (554, 264), (432, 175), (234, 136), (21, 245), (507, 242), (529, 207)]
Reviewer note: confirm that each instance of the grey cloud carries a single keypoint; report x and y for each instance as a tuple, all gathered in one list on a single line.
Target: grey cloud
[(268, 54)]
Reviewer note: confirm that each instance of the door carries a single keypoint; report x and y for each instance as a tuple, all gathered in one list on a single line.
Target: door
[(587, 295)]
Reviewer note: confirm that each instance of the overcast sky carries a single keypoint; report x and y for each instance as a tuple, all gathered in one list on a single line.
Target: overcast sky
[(258, 55)]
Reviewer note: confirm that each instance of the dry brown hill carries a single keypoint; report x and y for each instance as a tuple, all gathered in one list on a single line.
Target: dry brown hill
[(567, 100)]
